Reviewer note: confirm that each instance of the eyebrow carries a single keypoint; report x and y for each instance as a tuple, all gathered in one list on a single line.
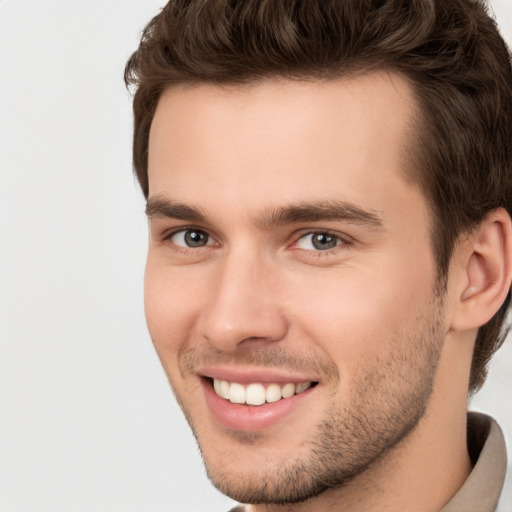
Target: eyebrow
[(317, 211), (162, 208), (329, 210)]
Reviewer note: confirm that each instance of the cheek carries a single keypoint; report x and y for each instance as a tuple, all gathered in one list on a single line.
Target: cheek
[(170, 302), (355, 315)]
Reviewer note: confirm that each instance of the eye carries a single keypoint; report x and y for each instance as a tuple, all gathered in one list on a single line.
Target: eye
[(191, 237), (319, 241)]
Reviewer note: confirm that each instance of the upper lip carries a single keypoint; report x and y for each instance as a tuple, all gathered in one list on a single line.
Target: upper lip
[(249, 375)]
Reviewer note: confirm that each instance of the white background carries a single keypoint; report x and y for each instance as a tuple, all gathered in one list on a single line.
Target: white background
[(87, 420)]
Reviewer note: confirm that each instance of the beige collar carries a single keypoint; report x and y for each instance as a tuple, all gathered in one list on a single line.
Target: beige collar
[(482, 489)]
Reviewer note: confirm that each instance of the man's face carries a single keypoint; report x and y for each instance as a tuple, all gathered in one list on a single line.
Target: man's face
[(290, 267)]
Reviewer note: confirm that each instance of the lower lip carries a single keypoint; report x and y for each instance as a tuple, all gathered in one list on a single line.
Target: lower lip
[(251, 418)]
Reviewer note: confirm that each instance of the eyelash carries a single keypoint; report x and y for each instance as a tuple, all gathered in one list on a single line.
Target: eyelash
[(341, 241)]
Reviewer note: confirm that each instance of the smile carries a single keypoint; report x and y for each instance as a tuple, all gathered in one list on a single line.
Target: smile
[(257, 393)]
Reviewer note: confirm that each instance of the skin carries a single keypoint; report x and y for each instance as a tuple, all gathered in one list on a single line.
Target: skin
[(385, 425)]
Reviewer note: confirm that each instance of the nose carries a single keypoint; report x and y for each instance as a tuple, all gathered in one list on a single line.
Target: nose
[(243, 304)]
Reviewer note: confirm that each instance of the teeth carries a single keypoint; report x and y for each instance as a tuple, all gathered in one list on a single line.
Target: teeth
[(302, 386), (224, 389), (221, 388), (273, 393), (236, 393), (288, 390), (256, 393)]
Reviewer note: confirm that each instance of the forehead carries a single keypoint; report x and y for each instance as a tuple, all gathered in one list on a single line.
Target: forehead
[(282, 141)]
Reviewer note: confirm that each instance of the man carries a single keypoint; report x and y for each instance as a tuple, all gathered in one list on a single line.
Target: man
[(329, 192)]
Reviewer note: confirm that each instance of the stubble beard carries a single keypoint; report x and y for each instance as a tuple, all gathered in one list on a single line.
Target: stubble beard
[(392, 397)]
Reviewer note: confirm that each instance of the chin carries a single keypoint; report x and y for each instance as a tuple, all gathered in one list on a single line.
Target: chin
[(250, 470)]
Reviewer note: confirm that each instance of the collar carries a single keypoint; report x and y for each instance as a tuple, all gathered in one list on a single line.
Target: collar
[(486, 446)]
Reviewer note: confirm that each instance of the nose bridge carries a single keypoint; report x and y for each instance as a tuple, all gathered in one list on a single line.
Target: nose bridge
[(243, 304)]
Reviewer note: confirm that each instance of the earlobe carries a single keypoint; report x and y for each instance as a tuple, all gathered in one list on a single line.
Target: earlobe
[(487, 271)]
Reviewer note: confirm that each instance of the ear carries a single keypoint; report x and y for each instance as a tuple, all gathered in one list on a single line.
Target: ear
[(486, 271)]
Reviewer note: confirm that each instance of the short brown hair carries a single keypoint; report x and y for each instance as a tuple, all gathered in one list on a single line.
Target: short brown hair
[(449, 50)]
